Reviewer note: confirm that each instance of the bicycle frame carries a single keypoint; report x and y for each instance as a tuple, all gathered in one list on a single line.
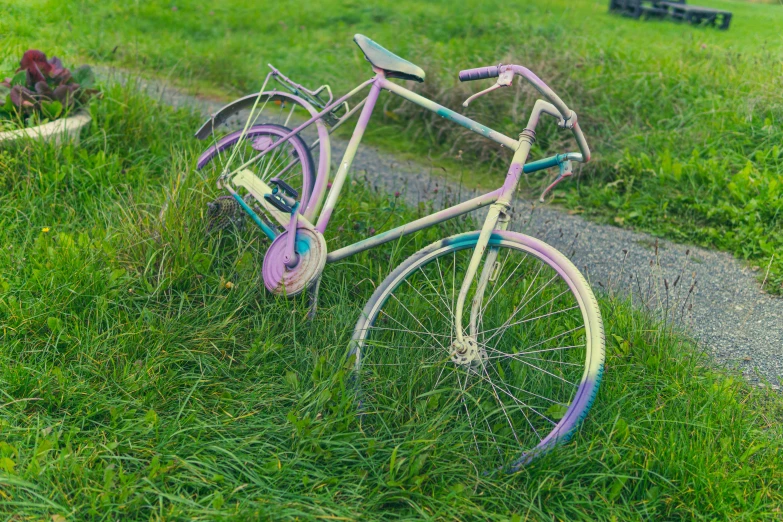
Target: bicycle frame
[(498, 200), (502, 195)]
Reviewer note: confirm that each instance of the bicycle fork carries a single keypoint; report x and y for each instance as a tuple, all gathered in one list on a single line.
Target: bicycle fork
[(465, 345)]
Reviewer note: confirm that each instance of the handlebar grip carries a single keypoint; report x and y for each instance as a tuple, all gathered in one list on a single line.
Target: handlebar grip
[(479, 73)]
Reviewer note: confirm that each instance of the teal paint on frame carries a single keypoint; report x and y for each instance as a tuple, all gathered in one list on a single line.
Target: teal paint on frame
[(464, 121), (302, 245), (265, 229)]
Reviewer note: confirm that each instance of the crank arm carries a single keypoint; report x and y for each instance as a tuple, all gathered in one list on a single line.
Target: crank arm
[(291, 258)]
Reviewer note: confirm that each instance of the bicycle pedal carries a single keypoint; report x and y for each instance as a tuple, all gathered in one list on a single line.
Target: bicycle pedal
[(258, 190), (280, 202), (285, 187)]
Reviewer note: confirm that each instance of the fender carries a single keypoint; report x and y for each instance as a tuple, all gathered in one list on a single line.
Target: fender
[(325, 148)]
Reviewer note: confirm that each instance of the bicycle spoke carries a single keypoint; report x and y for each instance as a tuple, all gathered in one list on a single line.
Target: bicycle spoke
[(290, 113), (517, 388), (523, 297), (407, 330), (499, 288), (555, 337), (427, 300), (546, 372), (467, 411), (451, 307), (436, 292), (516, 355), (511, 388), (522, 321), (520, 308), (414, 317), (502, 406), (520, 405)]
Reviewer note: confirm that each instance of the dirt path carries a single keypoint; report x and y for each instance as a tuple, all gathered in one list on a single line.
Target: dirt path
[(715, 296)]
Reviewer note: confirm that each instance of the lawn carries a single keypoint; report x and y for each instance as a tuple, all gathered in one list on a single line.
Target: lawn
[(137, 384), (685, 122)]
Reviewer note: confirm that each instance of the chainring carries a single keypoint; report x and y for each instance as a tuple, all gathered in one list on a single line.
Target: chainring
[(311, 249)]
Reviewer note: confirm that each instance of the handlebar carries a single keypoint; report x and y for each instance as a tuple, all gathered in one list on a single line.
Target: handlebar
[(479, 73), (569, 118)]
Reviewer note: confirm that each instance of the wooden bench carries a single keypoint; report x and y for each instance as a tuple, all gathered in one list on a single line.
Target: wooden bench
[(677, 9), (638, 8), (697, 15)]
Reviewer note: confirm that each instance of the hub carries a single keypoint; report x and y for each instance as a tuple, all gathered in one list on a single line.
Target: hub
[(467, 352)]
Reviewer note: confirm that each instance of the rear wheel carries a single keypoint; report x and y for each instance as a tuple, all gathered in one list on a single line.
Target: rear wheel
[(526, 375), (290, 161)]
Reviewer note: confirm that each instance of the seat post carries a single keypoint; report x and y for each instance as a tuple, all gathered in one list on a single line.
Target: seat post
[(350, 153)]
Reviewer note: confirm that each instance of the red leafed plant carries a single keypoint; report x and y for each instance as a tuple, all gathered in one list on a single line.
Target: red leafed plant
[(44, 88)]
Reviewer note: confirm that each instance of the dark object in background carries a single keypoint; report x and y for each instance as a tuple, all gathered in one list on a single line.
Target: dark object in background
[(676, 9), (638, 8)]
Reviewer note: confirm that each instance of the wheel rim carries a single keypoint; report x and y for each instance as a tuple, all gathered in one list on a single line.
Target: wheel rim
[(290, 161), (520, 391)]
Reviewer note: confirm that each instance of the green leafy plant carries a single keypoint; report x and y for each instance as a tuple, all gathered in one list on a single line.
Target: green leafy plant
[(44, 89)]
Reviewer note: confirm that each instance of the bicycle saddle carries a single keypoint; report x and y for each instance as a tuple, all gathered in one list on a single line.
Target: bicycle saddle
[(393, 65)]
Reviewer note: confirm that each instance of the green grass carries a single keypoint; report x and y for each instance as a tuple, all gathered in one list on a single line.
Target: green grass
[(686, 123), (135, 385)]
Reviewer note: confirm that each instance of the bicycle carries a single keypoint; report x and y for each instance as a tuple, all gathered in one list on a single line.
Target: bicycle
[(497, 329)]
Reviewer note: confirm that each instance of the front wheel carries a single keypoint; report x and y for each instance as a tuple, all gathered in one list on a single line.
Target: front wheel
[(532, 363)]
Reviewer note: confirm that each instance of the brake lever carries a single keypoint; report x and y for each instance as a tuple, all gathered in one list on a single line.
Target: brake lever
[(566, 170), (504, 80)]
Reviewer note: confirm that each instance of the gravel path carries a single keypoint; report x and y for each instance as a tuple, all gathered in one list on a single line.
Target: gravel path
[(715, 296)]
